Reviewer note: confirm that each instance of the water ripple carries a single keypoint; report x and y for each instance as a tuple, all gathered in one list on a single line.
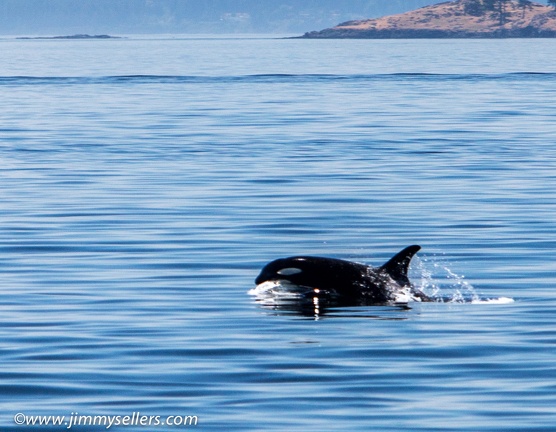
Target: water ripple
[(266, 78)]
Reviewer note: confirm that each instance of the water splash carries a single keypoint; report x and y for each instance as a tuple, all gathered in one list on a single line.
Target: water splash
[(434, 277)]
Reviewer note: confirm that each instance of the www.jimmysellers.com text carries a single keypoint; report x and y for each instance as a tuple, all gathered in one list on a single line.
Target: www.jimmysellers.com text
[(76, 420)]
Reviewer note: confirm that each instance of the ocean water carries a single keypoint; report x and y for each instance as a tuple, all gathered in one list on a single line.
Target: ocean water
[(145, 181)]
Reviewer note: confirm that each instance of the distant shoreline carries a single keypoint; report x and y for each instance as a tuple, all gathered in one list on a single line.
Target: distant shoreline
[(528, 33), (76, 36)]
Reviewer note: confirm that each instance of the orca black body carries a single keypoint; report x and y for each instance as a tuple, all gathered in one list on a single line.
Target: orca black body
[(346, 282)]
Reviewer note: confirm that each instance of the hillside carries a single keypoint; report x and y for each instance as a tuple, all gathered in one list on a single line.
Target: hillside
[(454, 19)]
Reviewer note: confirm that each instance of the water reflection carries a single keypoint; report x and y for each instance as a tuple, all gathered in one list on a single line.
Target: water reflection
[(316, 304)]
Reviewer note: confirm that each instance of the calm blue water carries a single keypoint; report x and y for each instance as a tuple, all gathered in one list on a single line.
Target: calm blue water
[(145, 182)]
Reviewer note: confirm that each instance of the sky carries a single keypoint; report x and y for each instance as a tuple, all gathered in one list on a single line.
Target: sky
[(117, 17)]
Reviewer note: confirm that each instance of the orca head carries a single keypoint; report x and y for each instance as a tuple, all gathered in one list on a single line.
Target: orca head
[(296, 270), (329, 274)]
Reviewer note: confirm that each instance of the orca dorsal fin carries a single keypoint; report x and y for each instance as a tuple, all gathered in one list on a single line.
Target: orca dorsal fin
[(398, 265)]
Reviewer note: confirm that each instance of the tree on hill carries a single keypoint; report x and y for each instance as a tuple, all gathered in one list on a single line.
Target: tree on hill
[(497, 8), (474, 7), (524, 4), (480, 7)]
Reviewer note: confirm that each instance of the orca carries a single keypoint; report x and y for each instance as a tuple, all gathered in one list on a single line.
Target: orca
[(345, 282)]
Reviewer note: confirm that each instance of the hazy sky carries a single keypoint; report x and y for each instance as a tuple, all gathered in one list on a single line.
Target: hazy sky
[(56, 17)]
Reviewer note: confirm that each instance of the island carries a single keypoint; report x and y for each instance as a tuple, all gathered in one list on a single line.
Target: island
[(454, 19), (76, 36)]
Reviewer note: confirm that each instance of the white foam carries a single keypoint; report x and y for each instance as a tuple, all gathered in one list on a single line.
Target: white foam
[(499, 300), (276, 290), (263, 288), (402, 297)]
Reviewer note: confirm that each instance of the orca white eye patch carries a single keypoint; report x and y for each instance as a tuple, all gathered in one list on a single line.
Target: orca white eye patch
[(289, 271)]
